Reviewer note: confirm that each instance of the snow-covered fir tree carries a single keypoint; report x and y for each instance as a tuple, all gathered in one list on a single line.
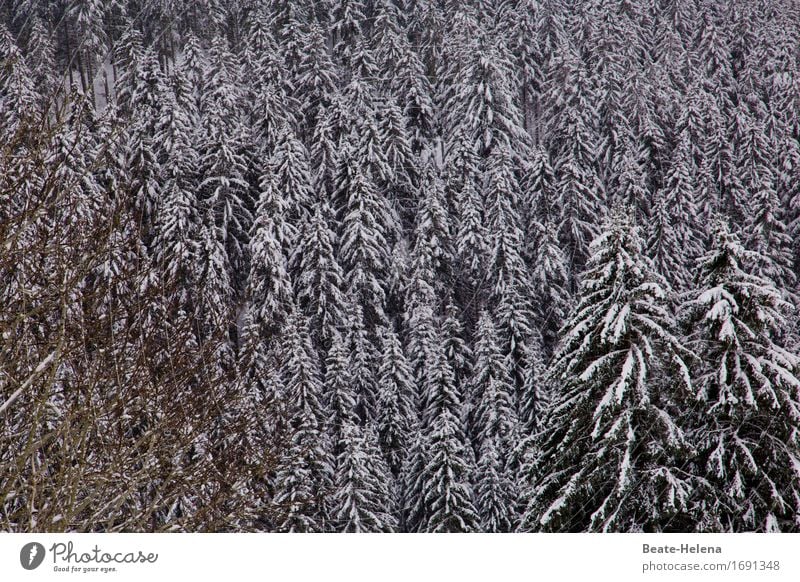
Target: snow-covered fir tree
[(747, 428), (612, 448), (363, 500)]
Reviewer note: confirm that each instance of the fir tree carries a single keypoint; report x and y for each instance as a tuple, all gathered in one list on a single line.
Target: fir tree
[(483, 101), (492, 390), (432, 252), (339, 390), (319, 284), (494, 490), (363, 364), (292, 174), (364, 251), (363, 500), (317, 79), (396, 403), (611, 449), (305, 473), (447, 497), (679, 198), (18, 101), (574, 150), (768, 235), (550, 282), (747, 431), (268, 283), (471, 248)]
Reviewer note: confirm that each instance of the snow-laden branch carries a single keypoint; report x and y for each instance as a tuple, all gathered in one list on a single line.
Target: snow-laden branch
[(39, 369)]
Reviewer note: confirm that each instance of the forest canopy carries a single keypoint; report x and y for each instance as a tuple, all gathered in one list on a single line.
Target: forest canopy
[(399, 265)]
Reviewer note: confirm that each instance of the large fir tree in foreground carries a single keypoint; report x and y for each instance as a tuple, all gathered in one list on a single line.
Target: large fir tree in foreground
[(611, 450), (748, 429)]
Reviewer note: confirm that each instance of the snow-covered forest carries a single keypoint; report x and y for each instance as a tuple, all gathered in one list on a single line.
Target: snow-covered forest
[(399, 265)]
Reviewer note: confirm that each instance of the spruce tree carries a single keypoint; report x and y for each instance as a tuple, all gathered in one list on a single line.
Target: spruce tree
[(319, 281), (268, 284), (495, 490), (611, 448), (18, 100), (364, 247), (339, 390), (491, 389), (679, 198), (397, 412), (550, 282), (305, 471), (747, 428), (574, 148), (447, 496), (363, 500)]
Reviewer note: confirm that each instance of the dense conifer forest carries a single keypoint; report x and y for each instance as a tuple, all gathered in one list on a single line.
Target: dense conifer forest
[(399, 265)]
